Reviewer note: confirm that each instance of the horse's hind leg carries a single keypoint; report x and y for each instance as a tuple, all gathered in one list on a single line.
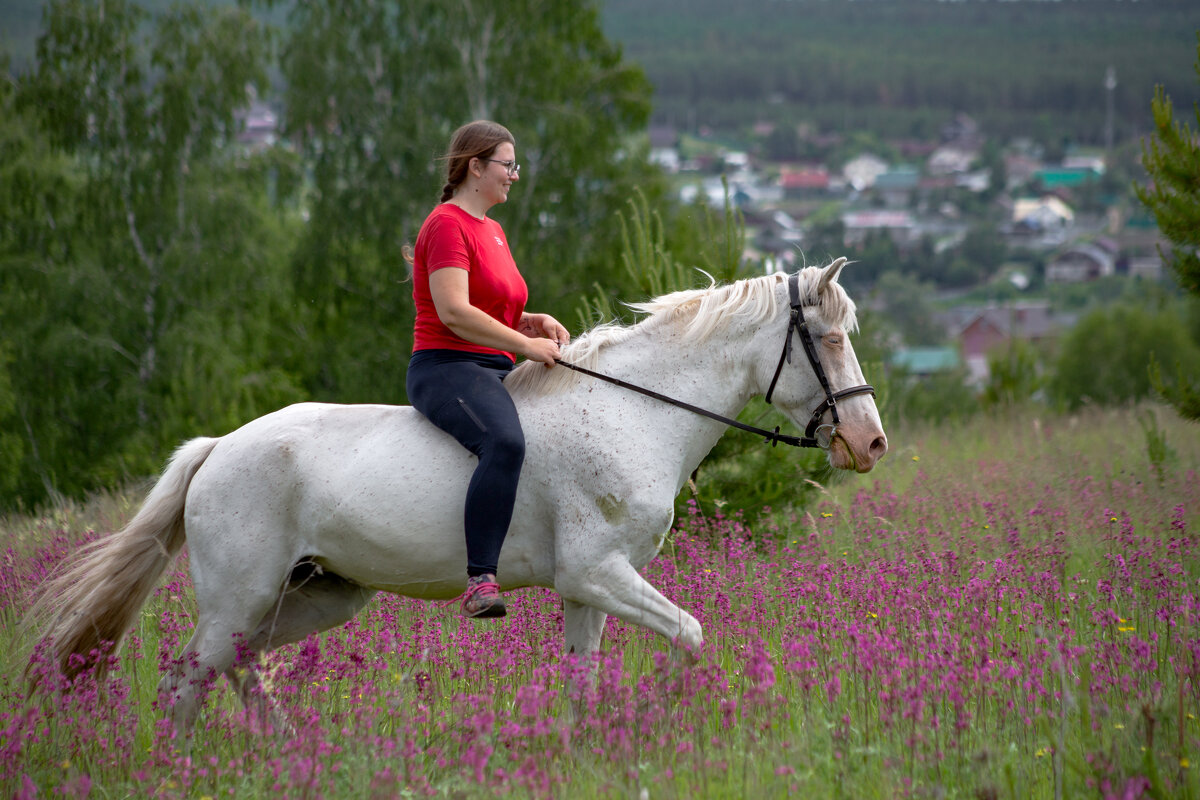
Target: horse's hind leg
[(236, 580), (313, 601), (209, 652)]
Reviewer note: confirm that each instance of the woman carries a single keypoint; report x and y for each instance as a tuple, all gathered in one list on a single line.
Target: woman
[(470, 322)]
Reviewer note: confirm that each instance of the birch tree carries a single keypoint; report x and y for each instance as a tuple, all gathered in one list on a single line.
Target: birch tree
[(374, 90)]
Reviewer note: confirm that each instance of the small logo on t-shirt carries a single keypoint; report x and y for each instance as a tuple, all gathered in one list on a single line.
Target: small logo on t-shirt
[(499, 241)]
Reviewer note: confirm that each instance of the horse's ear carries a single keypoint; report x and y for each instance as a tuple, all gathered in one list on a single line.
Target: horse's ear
[(829, 274)]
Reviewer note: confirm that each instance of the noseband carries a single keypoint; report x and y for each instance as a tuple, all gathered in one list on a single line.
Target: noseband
[(816, 434)]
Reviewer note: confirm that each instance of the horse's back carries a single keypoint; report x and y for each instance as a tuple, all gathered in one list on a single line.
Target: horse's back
[(368, 491)]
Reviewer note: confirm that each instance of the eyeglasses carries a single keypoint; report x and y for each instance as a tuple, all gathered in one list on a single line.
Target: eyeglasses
[(511, 167)]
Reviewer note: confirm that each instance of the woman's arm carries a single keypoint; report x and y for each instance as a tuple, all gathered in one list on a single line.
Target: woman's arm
[(451, 297)]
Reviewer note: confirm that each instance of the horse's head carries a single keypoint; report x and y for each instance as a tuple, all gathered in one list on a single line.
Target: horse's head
[(818, 383)]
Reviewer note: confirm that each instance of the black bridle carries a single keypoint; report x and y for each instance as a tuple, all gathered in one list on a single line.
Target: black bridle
[(816, 434), (820, 435)]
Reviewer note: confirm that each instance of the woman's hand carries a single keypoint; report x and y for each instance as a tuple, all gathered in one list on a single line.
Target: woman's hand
[(541, 349), (545, 335), (543, 325)]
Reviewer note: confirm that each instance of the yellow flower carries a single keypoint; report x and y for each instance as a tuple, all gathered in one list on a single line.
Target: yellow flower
[(1112, 519), (1184, 763), (1119, 726), (916, 458), (872, 615), (1040, 753), (826, 514)]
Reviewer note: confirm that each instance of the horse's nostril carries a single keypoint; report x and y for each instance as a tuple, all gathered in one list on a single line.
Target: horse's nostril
[(879, 446)]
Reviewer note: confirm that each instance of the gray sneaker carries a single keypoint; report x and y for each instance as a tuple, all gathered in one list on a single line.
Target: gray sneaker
[(482, 598)]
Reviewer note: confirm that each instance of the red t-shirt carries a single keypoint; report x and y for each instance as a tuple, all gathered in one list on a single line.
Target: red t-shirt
[(451, 237)]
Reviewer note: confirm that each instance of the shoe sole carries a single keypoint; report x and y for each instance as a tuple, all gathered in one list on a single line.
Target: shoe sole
[(494, 610)]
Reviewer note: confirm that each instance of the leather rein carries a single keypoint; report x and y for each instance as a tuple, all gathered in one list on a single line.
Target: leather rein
[(815, 434)]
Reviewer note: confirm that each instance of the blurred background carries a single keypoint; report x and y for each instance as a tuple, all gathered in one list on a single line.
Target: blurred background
[(203, 205)]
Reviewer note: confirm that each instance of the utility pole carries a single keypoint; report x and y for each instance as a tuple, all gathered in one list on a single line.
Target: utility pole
[(1110, 85)]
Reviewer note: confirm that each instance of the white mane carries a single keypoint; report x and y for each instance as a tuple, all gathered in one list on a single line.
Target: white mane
[(698, 313)]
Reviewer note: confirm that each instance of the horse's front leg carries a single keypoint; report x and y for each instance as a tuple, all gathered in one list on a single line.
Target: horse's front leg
[(583, 627), (614, 587)]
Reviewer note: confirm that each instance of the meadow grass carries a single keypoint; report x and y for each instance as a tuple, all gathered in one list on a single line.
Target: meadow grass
[(1003, 609)]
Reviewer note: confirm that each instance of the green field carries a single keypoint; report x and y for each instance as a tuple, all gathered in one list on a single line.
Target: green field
[(1008, 609)]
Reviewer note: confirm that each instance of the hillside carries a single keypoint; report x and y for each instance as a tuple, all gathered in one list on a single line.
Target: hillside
[(901, 68)]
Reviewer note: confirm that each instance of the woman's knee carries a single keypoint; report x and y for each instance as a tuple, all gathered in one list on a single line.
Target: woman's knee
[(508, 444)]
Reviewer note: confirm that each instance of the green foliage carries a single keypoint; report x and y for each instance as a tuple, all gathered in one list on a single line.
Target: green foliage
[(1158, 450), (654, 264), (1177, 390), (942, 397), (1014, 375), (909, 308), (648, 267), (1106, 357), (374, 91), (1172, 160), (11, 448), (158, 281), (984, 248), (139, 257)]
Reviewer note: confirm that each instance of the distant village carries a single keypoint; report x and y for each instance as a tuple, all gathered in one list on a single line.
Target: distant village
[(917, 199), (912, 201)]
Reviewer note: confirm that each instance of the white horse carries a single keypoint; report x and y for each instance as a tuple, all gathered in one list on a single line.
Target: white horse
[(295, 520)]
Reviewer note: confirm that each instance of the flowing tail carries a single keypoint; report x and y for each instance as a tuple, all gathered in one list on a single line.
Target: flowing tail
[(95, 595)]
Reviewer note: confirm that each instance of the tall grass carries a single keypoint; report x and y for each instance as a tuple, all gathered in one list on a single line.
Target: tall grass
[(1010, 608)]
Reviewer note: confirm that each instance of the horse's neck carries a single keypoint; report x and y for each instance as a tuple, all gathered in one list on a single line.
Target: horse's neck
[(713, 375)]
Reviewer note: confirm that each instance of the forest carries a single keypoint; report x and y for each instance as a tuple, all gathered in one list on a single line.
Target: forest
[(161, 277), (900, 68)]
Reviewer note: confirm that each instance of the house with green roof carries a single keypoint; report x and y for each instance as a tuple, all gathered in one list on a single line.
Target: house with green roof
[(924, 361), (1051, 178)]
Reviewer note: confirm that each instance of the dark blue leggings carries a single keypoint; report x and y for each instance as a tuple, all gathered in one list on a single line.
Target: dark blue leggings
[(463, 394)]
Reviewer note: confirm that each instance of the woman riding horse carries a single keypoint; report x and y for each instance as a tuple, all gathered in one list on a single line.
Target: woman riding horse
[(471, 318)]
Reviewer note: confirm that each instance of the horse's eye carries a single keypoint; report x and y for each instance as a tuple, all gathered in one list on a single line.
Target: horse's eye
[(833, 340)]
